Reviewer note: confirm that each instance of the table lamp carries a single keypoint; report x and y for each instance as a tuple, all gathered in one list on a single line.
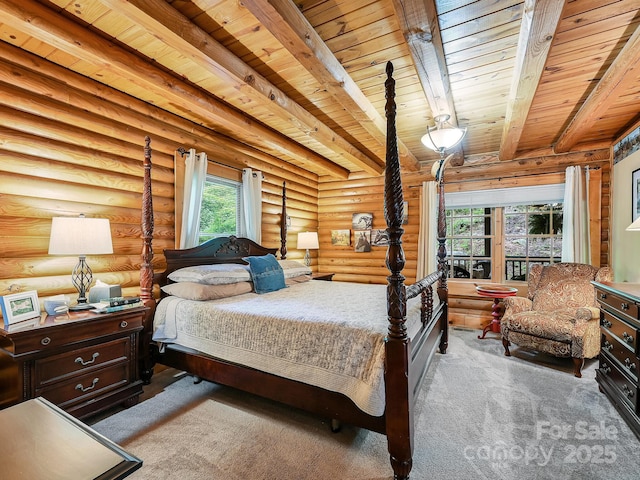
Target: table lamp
[(307, 241), (80, 236)]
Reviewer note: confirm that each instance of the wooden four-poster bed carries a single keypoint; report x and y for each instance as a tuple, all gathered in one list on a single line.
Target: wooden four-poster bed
[(406, 349)]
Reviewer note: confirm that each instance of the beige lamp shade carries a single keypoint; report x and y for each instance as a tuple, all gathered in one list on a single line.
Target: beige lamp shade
[(80, 236), (308, 240)]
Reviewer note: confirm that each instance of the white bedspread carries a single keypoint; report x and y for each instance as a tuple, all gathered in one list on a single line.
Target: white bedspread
[(327, 334)]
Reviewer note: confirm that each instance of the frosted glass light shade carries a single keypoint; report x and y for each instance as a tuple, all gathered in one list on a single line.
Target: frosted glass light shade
[(442, 136), (80, 236), (308, 240)]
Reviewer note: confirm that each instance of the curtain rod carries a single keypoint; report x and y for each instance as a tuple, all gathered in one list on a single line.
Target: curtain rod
[(183, 151)]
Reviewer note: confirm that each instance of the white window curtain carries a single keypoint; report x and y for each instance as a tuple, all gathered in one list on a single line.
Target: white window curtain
[(575, 220), (252, 203), (195, 174), (427, 242)]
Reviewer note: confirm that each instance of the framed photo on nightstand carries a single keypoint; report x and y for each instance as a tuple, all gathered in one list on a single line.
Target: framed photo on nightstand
[(20, 306)]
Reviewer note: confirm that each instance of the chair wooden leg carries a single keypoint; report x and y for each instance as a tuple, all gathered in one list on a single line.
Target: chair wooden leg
[(505, 344), (577, 366)]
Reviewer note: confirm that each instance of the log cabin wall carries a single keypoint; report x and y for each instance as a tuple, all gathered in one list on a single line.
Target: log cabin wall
[(339, 200), (69, 145)]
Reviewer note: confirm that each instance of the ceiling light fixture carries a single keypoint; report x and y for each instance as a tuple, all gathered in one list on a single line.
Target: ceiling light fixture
[(441, 137)]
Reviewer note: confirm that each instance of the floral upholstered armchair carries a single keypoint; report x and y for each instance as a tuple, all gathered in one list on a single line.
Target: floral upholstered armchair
[(560, 316)]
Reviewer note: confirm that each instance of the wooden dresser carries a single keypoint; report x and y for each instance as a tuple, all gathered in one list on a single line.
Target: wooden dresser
[(619, 361), (84, 363)]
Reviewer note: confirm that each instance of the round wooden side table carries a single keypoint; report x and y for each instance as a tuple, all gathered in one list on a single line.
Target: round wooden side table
[(497, 292)]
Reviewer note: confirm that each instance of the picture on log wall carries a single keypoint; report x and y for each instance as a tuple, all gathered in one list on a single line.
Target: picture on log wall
[(341, 237), (362, 240), (379, 238), (362, 221)]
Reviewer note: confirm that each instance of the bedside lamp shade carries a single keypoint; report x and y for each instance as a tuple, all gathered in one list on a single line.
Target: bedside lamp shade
[(308, 241), (80, 236)]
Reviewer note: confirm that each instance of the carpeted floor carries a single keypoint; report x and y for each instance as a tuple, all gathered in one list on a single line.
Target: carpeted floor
[(482, 416)]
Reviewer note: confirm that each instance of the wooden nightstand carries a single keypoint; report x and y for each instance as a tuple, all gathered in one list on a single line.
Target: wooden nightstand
[(322, 276), (84, 363)]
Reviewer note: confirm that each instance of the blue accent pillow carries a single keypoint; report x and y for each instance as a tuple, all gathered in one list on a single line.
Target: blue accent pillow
[(266, 273)]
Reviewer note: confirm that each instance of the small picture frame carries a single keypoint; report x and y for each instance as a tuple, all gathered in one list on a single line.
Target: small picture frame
[(362, 221), (17, 307), (379, 237), (362, 241), (635, 195), (341, 237)]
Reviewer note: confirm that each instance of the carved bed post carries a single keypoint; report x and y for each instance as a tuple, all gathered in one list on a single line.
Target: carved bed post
[(283, 223), (146, 268), (399, 406), (443, 290)]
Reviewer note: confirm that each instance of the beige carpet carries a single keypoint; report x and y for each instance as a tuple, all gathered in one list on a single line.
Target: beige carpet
[(482, 416)]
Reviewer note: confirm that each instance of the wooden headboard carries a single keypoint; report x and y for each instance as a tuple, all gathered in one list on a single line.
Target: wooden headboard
[(217, 250)]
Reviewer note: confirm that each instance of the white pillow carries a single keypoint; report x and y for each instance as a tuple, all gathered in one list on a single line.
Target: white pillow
[(292, 268), (201, 291), (220, 274)]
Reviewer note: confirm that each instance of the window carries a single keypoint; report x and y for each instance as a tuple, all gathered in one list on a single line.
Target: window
[(532, 234), (221, 210), (529, 234), (469, 242)]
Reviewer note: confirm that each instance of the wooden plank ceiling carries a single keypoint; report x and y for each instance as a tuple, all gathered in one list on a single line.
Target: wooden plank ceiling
[(304, 81)]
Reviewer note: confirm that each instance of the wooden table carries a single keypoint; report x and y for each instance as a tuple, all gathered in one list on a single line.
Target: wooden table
[(42, 442), (497, 292)]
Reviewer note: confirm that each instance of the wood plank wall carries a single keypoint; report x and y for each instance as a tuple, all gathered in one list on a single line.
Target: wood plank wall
[(69, 145)]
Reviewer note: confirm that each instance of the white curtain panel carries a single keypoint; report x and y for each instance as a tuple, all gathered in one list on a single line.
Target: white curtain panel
[(252, 203), (195, 175), (427, 245), (575, 221)]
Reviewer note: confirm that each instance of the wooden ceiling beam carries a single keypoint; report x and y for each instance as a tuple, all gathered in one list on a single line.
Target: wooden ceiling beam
[(297, 35), (56, 30), (540, 20), (174, 29), (418, 21), (613, 84)]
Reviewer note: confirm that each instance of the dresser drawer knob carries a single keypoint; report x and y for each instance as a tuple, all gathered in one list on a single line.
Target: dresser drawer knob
[(123, 324), (629, 364), (606, 369), (627, 338), (607, 346), (88, 362), (45, 341), (627, 391), (92, 386), (624, 306), (606, 323), (603, 296)]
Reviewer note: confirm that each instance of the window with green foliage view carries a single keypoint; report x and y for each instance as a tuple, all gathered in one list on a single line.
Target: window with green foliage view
[(502, 243), (221, 208)]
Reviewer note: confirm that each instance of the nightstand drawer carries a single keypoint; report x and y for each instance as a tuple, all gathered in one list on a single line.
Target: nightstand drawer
[(623, 354), (49, 339), (86, 359), (625, 332), (83, 387)]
